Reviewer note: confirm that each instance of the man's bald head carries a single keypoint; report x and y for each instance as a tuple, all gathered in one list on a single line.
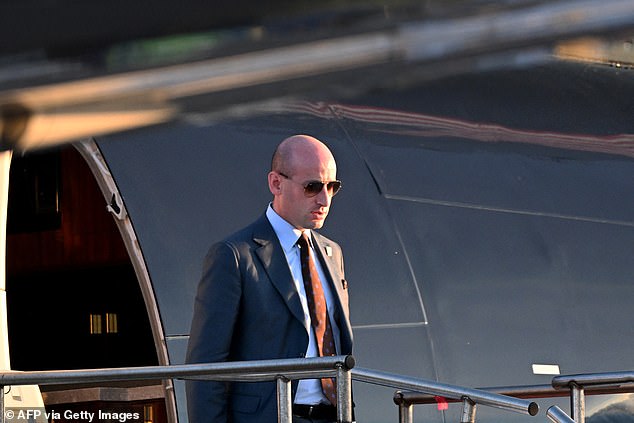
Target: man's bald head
[(296, 149), (298, 161)]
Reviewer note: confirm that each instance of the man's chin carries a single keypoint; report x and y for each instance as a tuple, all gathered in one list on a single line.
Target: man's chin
[(316, 224)]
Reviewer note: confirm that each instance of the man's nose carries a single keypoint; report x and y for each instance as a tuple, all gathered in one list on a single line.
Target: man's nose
[(324, 197)]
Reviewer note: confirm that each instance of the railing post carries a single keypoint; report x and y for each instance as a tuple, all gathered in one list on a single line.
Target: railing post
[(284, 403), (344, 394), (468, 410), (405, 408), (405, 413), (577, 403), (2, 416)]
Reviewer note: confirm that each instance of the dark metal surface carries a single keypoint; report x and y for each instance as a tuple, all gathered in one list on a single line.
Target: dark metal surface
[(487, 216), (88, 79), (487, 220)]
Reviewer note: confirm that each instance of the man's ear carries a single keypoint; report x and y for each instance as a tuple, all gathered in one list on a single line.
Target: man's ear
[(275, 183)]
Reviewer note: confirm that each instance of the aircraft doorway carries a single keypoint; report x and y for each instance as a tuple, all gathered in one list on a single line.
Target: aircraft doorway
[(73, 299)]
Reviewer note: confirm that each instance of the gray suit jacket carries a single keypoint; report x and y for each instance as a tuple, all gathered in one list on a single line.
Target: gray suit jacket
[(247, 308)]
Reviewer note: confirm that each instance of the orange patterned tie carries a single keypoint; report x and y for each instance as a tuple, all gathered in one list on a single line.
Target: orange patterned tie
[(318, 312)]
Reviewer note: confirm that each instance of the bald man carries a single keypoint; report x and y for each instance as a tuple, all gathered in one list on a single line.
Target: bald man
[(252, 303)]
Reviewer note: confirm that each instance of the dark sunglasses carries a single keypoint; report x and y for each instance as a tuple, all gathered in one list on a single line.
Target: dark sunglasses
[(312, 188)]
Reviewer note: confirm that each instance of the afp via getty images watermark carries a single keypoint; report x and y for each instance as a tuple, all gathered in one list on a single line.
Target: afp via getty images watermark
[(37, 415)]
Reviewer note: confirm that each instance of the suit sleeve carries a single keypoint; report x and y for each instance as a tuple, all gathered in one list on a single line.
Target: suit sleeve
[(216, 308)]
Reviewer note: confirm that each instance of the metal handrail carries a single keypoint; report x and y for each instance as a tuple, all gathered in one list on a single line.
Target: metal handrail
[(342, 368), (524, 391), (593, 379), (247, 371), (573, 386), (579, 384), (469, 397), (557, 415), (282, 371)]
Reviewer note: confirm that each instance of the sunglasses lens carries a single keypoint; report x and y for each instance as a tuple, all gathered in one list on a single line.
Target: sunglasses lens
[(313, 188), (333, 187)]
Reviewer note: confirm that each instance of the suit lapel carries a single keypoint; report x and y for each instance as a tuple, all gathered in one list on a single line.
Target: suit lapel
[(325, 259), (274, 262), (324, 251)]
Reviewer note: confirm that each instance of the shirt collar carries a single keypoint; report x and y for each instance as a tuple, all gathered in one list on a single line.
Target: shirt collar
[(286, 233)]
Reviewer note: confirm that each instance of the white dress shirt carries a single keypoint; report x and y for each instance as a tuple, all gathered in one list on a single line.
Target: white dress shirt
[(309, 390)]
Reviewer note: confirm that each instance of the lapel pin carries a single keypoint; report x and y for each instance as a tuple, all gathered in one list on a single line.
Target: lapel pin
[(328, 250)]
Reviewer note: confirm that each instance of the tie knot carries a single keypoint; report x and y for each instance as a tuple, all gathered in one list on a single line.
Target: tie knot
[(303, 241)]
